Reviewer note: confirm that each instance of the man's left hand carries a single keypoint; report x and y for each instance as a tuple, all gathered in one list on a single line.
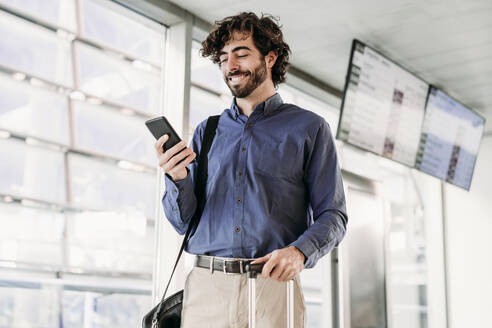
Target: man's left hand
[(282, 264)]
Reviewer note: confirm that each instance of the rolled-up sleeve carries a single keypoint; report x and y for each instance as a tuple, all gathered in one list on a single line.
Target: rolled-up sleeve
[(323, 180), (179, 200)]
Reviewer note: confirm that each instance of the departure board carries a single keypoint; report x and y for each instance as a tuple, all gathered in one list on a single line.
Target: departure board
[(383, 106), (451, 136)]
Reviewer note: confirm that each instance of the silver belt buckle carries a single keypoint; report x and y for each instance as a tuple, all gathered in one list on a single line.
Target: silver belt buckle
[(224, 266)]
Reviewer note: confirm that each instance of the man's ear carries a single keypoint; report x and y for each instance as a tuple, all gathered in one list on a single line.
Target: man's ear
[(271, 58)]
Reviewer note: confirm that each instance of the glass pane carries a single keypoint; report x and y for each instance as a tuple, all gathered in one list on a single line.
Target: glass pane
[(313, 282), (31, 171), (329, 113), (22, 307), (314, 315), (104, 22), (408, 253), (33, 111), (304, 100), (34, 307), (125, 137), (206, 73), (58, 12), (100, 185), (27, 48), (116, 80), (203, 104), (30, 235), (287, 93), (110, 241), (83, 309)]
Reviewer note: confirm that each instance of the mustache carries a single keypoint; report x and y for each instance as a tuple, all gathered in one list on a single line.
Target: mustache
[(236, 73)]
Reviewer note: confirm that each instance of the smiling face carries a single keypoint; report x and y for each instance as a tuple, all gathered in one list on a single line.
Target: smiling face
[(243, 66)]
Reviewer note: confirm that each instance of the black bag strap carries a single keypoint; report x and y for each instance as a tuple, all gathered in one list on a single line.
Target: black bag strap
[(201, 177)]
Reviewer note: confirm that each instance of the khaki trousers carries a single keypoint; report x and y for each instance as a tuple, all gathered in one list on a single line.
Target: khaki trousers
[(220, 300)]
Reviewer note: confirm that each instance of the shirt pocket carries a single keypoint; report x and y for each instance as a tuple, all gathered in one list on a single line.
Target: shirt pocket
[(279, 160)]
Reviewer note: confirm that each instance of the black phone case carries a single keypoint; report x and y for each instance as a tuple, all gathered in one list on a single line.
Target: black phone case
[(160, 126)]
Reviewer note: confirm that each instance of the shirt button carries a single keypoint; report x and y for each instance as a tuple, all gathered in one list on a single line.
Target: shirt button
[(243, 149), (240, 173), (237, 229), (239, 201), (248, 126), (174, 190)]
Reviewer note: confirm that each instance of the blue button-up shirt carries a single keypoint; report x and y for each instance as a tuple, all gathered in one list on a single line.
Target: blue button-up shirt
[(273, 181)]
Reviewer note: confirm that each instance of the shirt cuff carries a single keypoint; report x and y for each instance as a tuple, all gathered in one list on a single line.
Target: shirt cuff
[(175, 188), (309, 250)]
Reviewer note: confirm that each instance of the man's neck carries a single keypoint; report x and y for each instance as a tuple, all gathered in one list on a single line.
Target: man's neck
[(260, 94)]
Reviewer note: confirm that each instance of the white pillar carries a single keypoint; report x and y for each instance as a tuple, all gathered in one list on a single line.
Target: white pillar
[(176, 94)]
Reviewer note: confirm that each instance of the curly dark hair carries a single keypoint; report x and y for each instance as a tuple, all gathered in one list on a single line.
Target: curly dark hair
[(266, 34)]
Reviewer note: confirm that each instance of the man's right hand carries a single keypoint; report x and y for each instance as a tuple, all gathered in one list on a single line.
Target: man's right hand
[(167, 160)]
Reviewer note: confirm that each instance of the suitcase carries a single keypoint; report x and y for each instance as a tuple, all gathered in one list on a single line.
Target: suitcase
[(252, 271)]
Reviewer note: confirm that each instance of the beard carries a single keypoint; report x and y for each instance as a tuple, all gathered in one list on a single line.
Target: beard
[(254, 79)]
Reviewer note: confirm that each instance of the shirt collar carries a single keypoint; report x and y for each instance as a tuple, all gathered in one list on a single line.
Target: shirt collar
[(268, 107)]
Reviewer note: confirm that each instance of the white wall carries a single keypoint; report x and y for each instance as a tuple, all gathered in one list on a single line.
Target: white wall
[(469, 246)]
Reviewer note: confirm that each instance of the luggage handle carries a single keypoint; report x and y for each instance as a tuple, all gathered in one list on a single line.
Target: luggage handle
[(252, 271)]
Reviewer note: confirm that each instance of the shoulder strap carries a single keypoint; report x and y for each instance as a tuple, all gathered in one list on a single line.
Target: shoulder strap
[(200, 184), (201, 174)]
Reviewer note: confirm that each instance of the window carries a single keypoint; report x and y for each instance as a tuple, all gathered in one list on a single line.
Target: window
[(127, 138), (78, 188), (26, 48), (100, 185), (209, 94), (30, 235), (128, 248), (58, 12), (119, 81), (32, 171), (107, 23), (295, 96), (33, 111)]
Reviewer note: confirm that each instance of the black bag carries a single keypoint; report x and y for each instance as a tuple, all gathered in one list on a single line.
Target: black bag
[(167, 314)]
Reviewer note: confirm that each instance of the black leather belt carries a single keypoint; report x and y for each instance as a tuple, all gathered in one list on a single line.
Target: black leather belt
[(220, 264)]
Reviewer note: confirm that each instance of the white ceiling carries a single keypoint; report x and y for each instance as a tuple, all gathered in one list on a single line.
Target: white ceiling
[(446, 42)]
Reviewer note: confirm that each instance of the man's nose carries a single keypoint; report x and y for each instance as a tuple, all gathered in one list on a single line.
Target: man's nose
[(232, 65)]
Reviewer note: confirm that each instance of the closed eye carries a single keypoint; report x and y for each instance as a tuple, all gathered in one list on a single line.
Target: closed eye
[(225, 59)]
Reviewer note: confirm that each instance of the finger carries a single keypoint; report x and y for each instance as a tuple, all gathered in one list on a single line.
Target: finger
[(185, 162), (277, 272), (176, 169), (262, 259), (160, 142), (168, 163), (174, 150), (179, 156), (172, 167), (286, 275), (162, 160), (268, 267)]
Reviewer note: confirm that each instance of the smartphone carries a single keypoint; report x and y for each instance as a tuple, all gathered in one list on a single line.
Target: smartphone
[(160, 126)]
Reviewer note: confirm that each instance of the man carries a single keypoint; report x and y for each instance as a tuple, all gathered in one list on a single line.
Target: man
[(274, 192)]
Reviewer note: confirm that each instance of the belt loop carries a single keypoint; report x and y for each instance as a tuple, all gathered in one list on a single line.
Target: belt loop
[(241, 266), (212, 264)]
